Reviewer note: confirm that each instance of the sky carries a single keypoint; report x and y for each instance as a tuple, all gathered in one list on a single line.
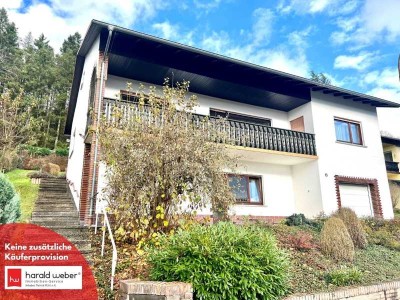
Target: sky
[(356, 43)]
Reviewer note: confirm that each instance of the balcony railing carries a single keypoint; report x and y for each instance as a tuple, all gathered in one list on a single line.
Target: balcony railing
[(392, 166), (235, 132)]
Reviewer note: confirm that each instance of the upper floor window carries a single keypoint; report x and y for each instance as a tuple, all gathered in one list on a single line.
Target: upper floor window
[(388, 156), (348, 131), (239, 117), (246, 188)]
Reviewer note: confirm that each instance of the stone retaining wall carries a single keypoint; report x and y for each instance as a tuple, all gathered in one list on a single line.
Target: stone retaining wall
[(154, 290), (383, 291)]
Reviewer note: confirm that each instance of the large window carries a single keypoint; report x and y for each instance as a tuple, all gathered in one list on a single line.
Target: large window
[(239, 117), (246, 188), (348, 131)]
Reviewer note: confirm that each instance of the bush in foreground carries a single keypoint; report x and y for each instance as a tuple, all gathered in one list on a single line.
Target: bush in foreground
[(336, 241), (353, 226), (10, 210), (344, 276), (222, 261)]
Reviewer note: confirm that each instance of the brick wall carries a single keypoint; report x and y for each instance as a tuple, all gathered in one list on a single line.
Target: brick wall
[(383, 291)]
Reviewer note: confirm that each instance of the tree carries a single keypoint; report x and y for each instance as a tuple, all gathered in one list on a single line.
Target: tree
[(161, 163), (65, 63), (321, 77), (14, 128), (8, 48), (71, 44)]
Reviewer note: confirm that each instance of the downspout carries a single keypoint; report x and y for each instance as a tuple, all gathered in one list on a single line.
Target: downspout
[(96, 146)]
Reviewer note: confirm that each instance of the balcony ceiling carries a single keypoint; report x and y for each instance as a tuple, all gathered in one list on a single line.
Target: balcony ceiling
[(146, 58)]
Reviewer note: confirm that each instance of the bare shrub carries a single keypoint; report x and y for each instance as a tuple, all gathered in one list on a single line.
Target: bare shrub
[(162, 162), (353, 226), (35, 163), (336, 241), (61, 161), (52, 169), (395, 194)]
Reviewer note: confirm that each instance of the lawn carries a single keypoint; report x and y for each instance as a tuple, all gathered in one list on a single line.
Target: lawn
[(28, 192), (397, 213)]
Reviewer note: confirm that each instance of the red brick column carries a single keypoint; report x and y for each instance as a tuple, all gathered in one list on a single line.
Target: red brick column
[(92, 165)]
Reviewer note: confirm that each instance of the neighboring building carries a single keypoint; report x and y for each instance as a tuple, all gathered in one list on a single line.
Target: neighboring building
[(391, 150), (310, 147)]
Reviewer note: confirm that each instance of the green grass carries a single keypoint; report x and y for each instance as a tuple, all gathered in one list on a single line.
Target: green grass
[(378, 264), (27, 191), (397, 213)]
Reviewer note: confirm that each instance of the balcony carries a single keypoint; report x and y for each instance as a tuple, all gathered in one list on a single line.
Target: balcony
[(237, 133), (392, 167)]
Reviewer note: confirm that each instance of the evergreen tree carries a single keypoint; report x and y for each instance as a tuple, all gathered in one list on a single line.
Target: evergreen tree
[(319, 77), (8, 49)]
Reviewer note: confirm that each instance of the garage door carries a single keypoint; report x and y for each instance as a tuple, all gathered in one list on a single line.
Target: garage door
[(358, 198)]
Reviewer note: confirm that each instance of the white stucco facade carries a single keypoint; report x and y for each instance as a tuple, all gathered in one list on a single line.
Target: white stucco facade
[(290, 184), (77, 145), (342, 159)]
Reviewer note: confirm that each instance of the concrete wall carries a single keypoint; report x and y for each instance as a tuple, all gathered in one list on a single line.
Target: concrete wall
[(342, 159), (75, 160)]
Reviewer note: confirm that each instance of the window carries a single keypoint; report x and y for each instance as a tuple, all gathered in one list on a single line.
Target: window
[(388, 156), (348, 132), (246, 188), (239, 117)]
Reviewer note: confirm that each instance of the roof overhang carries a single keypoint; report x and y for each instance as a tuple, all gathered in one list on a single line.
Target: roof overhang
[(146, 58), (390, 141)]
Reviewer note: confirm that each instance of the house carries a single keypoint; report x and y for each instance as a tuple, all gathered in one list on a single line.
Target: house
[(308, 147), (391, 150)]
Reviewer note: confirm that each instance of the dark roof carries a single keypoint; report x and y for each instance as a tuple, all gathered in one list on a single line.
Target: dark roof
[(390, 140), (150, 59)]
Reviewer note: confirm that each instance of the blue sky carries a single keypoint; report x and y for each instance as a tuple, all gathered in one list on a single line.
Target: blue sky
[(354, 42)]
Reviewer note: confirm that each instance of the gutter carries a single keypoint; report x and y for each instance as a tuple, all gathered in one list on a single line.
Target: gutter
[(96, 149)]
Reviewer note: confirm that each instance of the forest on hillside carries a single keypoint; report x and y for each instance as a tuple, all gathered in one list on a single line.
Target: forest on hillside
[(35, 83)]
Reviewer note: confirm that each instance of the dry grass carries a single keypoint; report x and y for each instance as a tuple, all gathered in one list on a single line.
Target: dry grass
[(353, 226), (336, 241), (52, 169)]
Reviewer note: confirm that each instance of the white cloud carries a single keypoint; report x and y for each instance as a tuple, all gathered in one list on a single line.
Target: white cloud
[(377, 21), (206, 5), (358, 62), (388, 78), (385, 84), (318, 5), (299, 38), (11, 4), (332, 7), (166, 29), (262, 27), (216, 42), (173, 32), (288, 57), (60, 18)]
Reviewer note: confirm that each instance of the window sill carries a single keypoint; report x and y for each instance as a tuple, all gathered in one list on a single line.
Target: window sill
[(351, 144), (249, 204)]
